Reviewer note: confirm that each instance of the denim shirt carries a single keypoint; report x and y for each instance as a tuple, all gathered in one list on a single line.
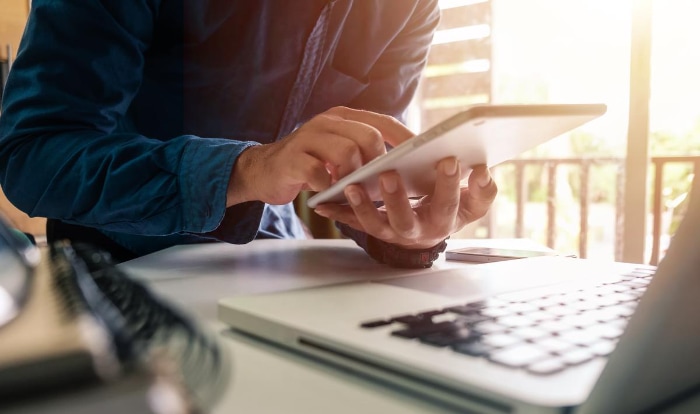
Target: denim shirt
[(128, 115)]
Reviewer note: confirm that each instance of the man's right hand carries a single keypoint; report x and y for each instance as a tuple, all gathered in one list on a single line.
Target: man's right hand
[(323, 150)]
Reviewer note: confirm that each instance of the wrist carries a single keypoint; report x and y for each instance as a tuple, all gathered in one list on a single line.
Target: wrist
[(241, 185), (398, 256)]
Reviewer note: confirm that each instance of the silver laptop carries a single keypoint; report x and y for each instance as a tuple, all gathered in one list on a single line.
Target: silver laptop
[(541, 335)]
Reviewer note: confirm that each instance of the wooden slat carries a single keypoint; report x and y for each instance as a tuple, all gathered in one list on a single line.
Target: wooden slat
[(657, 212), (620, 211), (520, 199), (584, 200), (551, 205), (458, 52), (457, 85), (479, 13)]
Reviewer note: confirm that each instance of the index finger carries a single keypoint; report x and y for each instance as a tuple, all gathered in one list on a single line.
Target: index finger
[(393, 131)]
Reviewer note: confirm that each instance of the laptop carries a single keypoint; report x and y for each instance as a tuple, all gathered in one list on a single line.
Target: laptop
[(536, 335)]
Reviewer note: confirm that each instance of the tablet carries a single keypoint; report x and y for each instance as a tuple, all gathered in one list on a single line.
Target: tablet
[(482, 134)]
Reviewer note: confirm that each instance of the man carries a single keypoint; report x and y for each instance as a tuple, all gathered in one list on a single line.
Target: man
[(141, 124)]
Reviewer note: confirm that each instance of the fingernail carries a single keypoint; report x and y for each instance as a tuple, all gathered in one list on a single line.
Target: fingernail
[(484, 180), (321, 212), (353, 196), (450, 167), (390, 184)]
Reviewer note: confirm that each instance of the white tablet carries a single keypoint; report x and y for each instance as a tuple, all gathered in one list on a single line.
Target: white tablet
[(482, 134)]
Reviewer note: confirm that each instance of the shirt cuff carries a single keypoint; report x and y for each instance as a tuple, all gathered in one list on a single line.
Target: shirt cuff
[(205, 172)]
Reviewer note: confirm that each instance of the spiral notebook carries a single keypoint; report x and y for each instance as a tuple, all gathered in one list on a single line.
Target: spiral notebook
[(71, 319)]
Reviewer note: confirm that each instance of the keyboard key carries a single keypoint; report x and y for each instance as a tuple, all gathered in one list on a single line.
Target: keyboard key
[(637, 293), (547, 367), (475, 348), (636, 283), (500, 340), (605, 301), (609, 331), (411, 319), (554, 345), (472, 319), (584, 306), (516, 321), (605, 314), (618, 288), (518, 356), (556, 327), (530, 333), (580, 337), (603, 348), (416, 331), (622, 310), (488, 327), (562, 311), (522, 308), (540, 316), (576, 356), (581, 295), (580, 321), (449, 338), (431, 313), (496, 312), (375, 323), (465, 311), (547, 302), (607, 290)]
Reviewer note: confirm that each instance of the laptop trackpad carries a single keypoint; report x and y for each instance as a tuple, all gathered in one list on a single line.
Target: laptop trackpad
[(489, 279)]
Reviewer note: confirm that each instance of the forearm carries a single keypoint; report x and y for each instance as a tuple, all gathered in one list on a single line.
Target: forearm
[(70, 148), (120, 182)]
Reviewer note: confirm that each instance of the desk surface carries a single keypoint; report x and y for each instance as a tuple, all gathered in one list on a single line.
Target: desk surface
[(267, 379)]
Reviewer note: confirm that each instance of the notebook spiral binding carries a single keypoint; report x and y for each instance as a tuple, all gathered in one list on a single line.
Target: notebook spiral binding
[(143, 327)]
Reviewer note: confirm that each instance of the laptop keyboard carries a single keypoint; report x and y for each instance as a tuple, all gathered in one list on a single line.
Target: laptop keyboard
[(542, 335)]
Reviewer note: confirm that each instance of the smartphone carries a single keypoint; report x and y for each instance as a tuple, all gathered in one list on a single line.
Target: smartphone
[(492, 254)]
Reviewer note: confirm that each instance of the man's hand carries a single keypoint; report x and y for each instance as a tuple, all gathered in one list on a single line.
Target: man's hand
[(420, 224), (328, 147)]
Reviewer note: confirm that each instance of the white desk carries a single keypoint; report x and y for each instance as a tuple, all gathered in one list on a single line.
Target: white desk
[(267, 379)]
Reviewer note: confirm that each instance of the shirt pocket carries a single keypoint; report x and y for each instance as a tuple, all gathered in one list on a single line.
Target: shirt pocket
[(334, 87)]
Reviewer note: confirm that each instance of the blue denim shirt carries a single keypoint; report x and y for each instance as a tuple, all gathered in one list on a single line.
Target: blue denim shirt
[(128, 115)]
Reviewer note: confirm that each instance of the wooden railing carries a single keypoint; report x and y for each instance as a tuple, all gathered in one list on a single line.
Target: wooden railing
[(585, 165), (657, 203)]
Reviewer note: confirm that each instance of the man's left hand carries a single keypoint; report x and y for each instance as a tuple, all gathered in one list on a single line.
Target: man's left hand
[(417, 224)]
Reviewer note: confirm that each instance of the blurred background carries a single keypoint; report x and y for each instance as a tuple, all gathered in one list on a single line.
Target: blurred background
[(640, 57)]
